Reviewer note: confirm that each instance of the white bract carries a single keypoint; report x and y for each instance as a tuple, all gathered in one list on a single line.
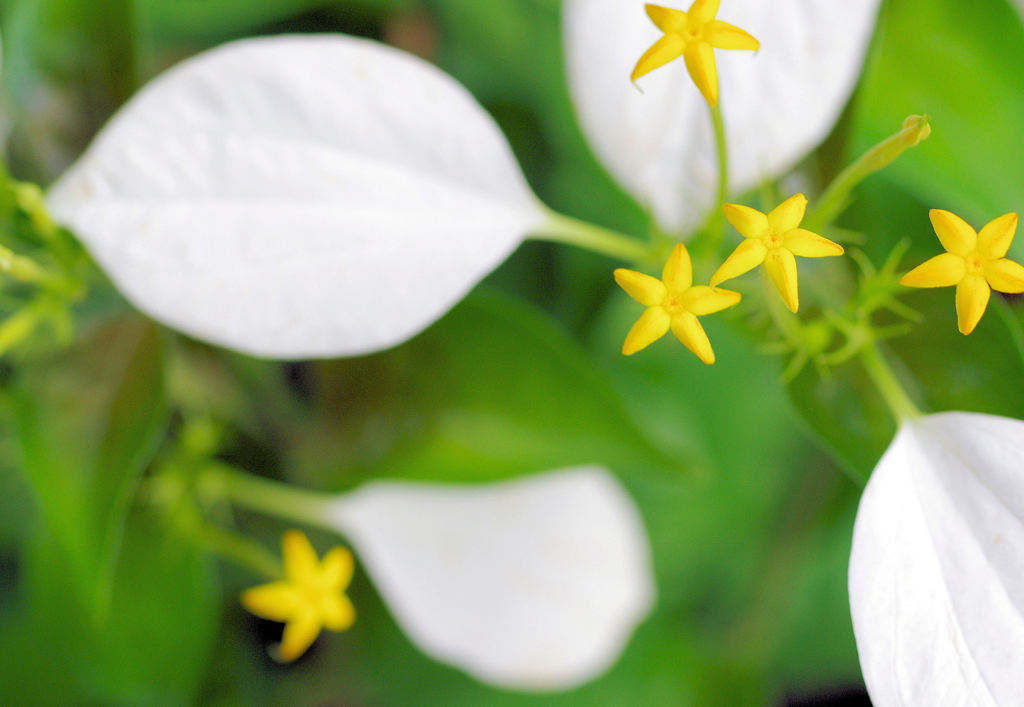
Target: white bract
[(533, 584), (937, 567), (778, 103), (295, 197)]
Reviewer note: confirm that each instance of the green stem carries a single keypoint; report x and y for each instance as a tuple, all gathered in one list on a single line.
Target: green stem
[(269, 497), (891, 390), (21, 268), (239, 550), (16, 328), (832, 202), (565, 229), (722, 150)]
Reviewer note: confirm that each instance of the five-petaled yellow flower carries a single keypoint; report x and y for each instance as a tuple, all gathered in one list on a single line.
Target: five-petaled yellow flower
[(773, 239), (309, 597), (673, 303), (692, 35), (974, 262)]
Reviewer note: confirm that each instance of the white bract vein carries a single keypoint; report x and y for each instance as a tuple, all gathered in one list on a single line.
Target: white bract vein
[(937, 567), (296, 197), (534, 584), (778, 104)]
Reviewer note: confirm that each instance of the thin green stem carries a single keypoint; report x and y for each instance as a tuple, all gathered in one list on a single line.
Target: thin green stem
[(265, 496), (891, 390), (240, 550), (722, 150), (19, 326), (565, 229), (832, 202)]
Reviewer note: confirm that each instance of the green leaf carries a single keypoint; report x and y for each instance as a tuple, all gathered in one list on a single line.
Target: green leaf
[(961, 66), (88, 422), (492, 390)]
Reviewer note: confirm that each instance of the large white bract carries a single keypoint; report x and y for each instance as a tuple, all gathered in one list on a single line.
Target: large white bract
[(937, 567), (778, 103), (296, 197), (532, 584)]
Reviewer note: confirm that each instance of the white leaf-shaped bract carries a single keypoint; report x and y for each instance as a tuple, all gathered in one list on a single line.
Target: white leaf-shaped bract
[(778, 103), (296, 197), (937, 567), (532, 584)]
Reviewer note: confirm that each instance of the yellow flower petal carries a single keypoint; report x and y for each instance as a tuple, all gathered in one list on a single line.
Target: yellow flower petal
[(723, 35), (299, 634), (300, 561), (788, 215), (751, 223), (689, 331), (666, 19), (995, 238), (336, 568), (700, 62), (941, 271), (1005, 275), (703, 11), (703, 300), (678, 271), (955, 234), (651, 326), (661, 52), (747, 256), (972, 296), (645, 289), (276, 601), (807, 244), (338, 613), (781, 268)]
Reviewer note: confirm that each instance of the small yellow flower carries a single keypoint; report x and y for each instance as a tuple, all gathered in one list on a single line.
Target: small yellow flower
[(673, 303), (973, 261), (692, 35), (309, 598), (773, 239)]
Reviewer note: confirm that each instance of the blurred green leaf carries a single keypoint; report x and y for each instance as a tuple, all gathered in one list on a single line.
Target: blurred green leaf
[(962, 66), (151, 649), (67, 64), (492, 390), (216, 20), (88, 421), (845, 414), (736, 544)]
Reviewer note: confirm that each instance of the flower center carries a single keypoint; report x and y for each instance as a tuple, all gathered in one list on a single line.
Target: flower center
[(691, 34), (772, 240), (974, 264), (314, 594), (673, 304)]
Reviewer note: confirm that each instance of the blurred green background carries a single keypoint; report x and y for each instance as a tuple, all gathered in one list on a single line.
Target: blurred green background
[(743, 482)]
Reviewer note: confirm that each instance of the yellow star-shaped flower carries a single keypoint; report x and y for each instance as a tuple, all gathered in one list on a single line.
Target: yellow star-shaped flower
[(673, 303), (974, 262), (309, 598), (692, 35), (773, 239)]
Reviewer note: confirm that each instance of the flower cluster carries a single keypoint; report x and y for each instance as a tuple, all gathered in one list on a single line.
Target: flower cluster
[(330, 262)]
